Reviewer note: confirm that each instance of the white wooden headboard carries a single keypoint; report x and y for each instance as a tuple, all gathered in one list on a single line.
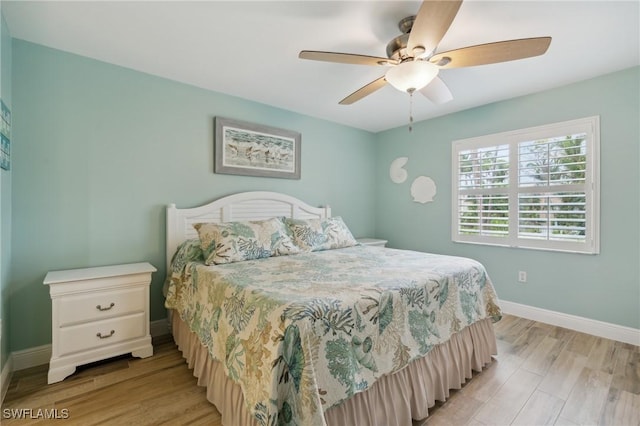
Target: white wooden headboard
[(255, 205)]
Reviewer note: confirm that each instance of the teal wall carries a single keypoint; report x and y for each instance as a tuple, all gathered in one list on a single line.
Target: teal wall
[(5, 195), (604, 287), (101, 150)]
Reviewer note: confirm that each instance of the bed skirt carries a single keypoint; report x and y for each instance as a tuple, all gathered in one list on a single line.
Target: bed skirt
[(394, 400)]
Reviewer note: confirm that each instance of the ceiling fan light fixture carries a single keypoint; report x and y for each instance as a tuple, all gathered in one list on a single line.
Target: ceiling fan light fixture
[(411, 75)]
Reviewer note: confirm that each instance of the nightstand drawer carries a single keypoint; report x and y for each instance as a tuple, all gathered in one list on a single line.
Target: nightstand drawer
[(101, 305), (100, 333)]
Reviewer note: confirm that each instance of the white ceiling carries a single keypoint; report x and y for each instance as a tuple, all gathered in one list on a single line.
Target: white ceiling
[(250, 49)]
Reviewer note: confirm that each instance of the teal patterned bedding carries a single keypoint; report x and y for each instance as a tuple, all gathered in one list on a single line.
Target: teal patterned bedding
[(302, 333)]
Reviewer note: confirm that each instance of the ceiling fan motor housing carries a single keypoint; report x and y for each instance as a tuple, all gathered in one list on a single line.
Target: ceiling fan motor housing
[(397, 48)]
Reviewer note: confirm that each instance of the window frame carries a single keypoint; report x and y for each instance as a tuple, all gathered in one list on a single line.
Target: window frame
[(591, 187)]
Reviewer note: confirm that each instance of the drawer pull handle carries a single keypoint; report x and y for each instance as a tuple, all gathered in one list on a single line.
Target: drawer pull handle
[(107, 335), (100, 308)]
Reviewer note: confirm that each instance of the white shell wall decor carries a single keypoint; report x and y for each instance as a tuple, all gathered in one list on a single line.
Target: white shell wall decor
[(423, 189), (396, 171)]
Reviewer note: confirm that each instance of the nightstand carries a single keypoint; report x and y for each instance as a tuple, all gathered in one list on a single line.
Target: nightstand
[(372, 242), (98, 313)]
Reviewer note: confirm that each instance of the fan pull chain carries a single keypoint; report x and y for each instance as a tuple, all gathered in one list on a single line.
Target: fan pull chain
[(410, 91)]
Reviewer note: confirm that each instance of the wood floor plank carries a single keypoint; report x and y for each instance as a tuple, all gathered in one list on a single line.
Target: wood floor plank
[(46, 395), (588, 397), (564, 422), (621, 408), (601, 354), (540, 409), (457, 410), (505, 322), (199, 413), (563, 374), (626, 371), (167, 407), (504, 347), (504, 406), (561, 333), (581, 343), (513, 328), (543, 355), (484, 385), (92, 407), (528, 341)]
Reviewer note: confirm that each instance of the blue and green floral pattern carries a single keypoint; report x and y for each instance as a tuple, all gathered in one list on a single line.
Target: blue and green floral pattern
[(320, 234), (238, 241), (302, 333)]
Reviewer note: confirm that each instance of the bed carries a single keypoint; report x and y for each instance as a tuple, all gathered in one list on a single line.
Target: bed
[(346, 334)]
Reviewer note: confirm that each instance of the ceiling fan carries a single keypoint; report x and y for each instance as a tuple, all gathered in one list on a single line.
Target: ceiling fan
[(412, 58)]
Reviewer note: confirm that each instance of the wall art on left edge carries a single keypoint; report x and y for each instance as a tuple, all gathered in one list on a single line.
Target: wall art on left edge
[(243, 148), (5, 136)]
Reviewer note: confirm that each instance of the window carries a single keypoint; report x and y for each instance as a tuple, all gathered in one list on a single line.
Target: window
[(532, 188)]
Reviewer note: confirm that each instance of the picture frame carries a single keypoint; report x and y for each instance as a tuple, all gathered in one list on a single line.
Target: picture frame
[(243, 148), (5, 135), (5, 153)]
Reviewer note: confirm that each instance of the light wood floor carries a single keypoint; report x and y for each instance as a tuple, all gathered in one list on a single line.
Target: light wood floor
[(543, 375)]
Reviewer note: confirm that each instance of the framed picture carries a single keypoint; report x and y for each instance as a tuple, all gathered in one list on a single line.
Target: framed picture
[(5, 135), (249, 149), (5, 152)]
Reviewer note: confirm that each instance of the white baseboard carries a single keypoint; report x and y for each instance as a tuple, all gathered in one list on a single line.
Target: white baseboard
[(159, 327), (31, 357), (607, 330), (39, 355)]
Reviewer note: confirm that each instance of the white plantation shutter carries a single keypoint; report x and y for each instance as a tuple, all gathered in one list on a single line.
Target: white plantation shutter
[(532, 188), (483, 203)]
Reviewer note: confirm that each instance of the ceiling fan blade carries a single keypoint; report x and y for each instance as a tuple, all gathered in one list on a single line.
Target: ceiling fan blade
[(491, 53), (437, 91), (364, 91), (431, 23), (345, 58)]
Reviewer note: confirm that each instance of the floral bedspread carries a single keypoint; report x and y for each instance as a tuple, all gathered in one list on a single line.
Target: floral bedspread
[(302, 333)]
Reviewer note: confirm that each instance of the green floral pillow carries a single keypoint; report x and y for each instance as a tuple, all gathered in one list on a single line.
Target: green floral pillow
[(237, 241), (320, 234), (188, 251)]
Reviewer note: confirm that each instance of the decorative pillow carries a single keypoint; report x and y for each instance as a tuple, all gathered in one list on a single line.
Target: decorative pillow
[(237, 241), (321, 234), (188, 251)]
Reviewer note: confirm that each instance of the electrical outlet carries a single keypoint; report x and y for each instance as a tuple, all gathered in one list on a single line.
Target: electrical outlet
[(522, 277)]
